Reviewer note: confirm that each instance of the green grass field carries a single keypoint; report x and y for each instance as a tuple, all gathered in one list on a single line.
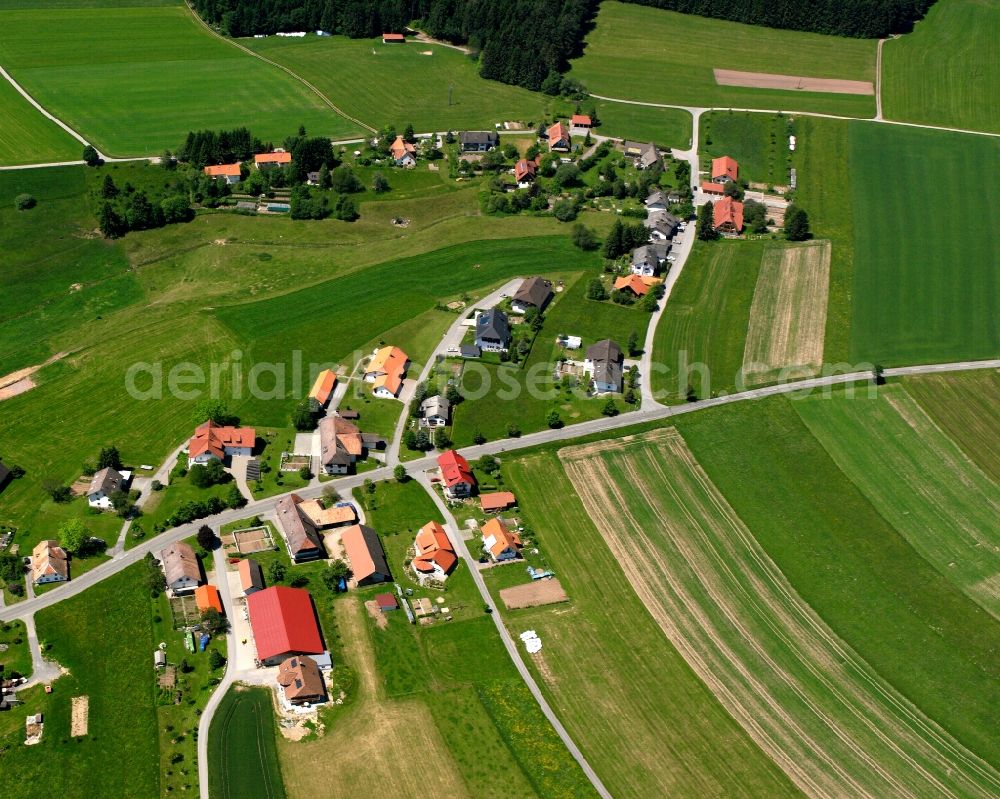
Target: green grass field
[(926, 286), (758, 142), (27, 137), (243, 755), (946, 71), (901, 616), (701, 336), (105, 638), (919, 479), (666, 127), (16, 656), (632, 44), (135, 80)]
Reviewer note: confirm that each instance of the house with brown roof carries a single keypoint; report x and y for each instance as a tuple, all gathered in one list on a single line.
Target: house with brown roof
[(301, 535), (272, 160), (212, 441), (643, 155), (525, 172), (434, 555), (300, 681), (534, 292), (341, 445), (727, 216), (251, 576), (49, 563), (605, 363), (386, 371), (103, 484), (499, 542), (725, 169), (497, 501), (341, 514), (365, 554), (229, 173), (558, 137), (403, 153), (180, 567)]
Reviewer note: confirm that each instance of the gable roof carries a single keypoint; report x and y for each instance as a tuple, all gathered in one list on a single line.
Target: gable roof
[(340, 441), (386, 601), (223, 170), (604, 350), (432, 547), (725, 167), (493, 324), (497, 538), (325, 517), (557, 133), (48, 558), (435, 406), (251, 575), (632, 283), (393, 37), (273, 158), (300, 677), (662, 221), (455, 469), (533, 291), (712, 188), (283, 621), (498, 500), (389, 366), (479, 137), (580, 119), (726, 212), (656, 198), (323, 386), (180, 562), (608, 361), (364, 551), (207, 596), (299, 530), (213, 438), (524, 169), (400, 148), (106, 480)]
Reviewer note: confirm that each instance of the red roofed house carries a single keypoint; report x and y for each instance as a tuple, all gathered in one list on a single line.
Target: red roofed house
[(403, 153), (206, 597), (270, 160), (228, 172), (284, 623), (558, 137), (525, 172), (581, 121), (725, 169), (386, 602), (712, 188), (364, 551), (632, 283), (393, 38), (216, 442), (434, 554), (456, 475), (322, 389), (497, 501), (727, 216), (499, 542)]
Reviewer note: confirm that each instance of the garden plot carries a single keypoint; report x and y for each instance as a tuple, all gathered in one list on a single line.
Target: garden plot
[(533, 594), (248, 541), (788, 314), (809, 701)]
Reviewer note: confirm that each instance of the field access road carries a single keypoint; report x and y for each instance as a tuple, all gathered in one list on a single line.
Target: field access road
[(460, 546), (451, 340), (416, 467)]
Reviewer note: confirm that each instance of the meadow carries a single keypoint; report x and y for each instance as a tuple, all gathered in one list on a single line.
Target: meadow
[(135, 80), (632, 44), (946, 71), (243, 724), (926, 287), (902, 617), (920, 480), (665, 127), (28, 137), (646, 722), (809, 702), (758, 142)]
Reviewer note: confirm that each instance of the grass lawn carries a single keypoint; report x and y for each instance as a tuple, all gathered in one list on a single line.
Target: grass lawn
[(165, 502), (389, 85), (926, 290), (274, 481), (700, 338), (16, 656), (964, 406), (605, 665), (665, 127), (946, 71), (631, 43), (243, 724), (136, 80), (919, 479), (27, 137), (758, 142), (105, 638), (905, 619)]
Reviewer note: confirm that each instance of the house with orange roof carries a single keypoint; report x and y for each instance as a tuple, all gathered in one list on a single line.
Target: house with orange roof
[(499, 542), (230, 173), (581, 121), (558, 137), (340, 514), (403, 153), (251, 576), (206, 597), (727, 216), (434, 555), (497, 501), (386, 371), (525, 172), (639, 286), (323, 387), (213, 441), (456, 475), (712, 188), (393, 38), (365, 554), (725, 169), (271, 160)]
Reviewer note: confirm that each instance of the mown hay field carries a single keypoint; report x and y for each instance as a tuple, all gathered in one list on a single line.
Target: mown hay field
[(243, 756), (27, 137)]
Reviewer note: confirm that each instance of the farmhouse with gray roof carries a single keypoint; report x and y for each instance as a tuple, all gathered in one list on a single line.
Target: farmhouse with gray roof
[(492, 331), (532, 293), (605, 364), (478, 141)]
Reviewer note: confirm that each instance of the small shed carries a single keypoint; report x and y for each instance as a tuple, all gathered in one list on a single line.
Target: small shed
[(386, 602)]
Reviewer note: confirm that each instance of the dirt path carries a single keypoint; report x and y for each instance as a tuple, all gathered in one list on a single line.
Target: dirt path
[(767, 80), (80, 716), (20, 381)]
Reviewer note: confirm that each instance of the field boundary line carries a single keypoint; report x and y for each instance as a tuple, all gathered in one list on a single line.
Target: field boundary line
[(326, 100), (41, 109)]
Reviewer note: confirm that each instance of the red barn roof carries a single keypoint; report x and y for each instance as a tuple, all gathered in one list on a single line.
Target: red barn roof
[(712, 188), (580, 119), (284, 622), (455, 469), (725, 167)]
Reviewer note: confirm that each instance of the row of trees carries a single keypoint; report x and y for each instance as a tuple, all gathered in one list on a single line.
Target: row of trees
[(863, 19)]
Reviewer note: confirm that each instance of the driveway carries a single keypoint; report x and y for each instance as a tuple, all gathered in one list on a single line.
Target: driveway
[(239, 472)]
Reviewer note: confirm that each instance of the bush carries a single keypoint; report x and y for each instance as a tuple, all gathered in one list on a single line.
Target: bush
[(564, 210), (24, 202)]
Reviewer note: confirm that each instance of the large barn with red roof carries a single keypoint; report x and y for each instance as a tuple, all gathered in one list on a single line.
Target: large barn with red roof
[(284, 623)]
